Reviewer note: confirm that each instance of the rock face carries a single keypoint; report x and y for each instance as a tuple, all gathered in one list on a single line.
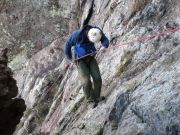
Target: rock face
[(42, 70), (31, 25), (11, 109), (140, 72)]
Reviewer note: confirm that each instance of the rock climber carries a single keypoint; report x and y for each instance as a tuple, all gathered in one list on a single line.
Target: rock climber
[(83, 55)]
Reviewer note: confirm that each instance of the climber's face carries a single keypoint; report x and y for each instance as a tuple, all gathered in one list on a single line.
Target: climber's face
[(94, 35)]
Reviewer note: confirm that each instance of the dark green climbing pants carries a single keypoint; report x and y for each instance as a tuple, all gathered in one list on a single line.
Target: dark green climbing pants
[(87, 68)]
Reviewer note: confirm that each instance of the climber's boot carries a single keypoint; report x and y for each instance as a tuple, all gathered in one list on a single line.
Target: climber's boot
[(99, 99), (91, 104)]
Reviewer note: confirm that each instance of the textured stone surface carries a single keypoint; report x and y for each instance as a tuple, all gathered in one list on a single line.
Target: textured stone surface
[(11, 109), (39, 72), (28, 26), (140, 80)]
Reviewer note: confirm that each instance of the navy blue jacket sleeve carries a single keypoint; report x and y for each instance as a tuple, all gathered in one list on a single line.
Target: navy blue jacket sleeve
[(67, 48), (104, 41)]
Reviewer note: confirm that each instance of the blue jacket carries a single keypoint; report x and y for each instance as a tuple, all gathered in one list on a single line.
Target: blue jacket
[(82, 45)]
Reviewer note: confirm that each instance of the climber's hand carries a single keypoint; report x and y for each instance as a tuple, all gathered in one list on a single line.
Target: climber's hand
[(102, 49)]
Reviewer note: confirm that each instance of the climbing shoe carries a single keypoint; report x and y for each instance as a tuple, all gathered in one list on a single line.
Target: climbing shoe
[(91, 104), (100, 99)]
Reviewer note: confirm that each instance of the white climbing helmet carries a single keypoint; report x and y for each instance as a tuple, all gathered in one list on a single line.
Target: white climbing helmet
[(94, 35)]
